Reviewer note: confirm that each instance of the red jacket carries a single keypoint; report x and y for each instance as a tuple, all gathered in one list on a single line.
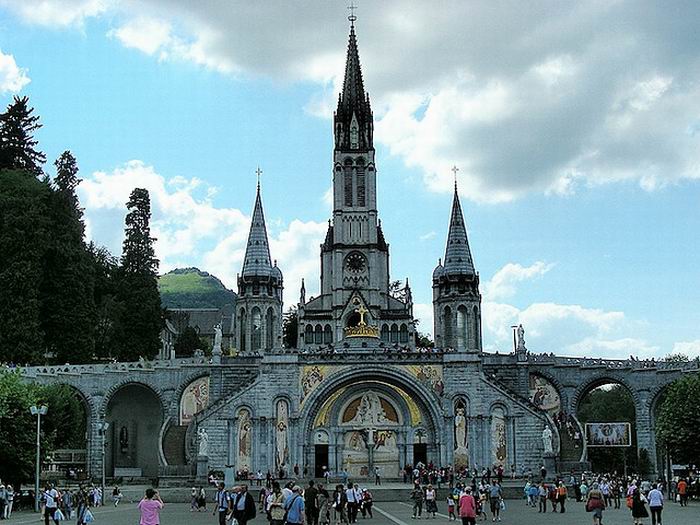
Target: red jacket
[(467, 506)]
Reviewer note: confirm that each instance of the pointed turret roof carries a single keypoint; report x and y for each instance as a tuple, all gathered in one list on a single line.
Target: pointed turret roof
[(353, 86), (257, 252), (458, 256)]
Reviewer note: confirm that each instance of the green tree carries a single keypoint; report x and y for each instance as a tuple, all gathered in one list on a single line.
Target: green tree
[(290, 327), (105, 267), (68, 302), (678, 420), (188, 341), (137, 333), (17, 143), (24, 238)]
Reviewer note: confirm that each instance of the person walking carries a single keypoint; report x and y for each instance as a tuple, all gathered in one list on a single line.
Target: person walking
[(194, 497), (430, 502), (561, 496), (150, 507), (656, 504), (81, 502), (639, 510), (295, 507), (223, 503), (243, 505), (542, 495), (276, 510), (9, 500), (367, 501), (340, 505), (67, 504), (117, 496), (311, 503), (417, 496), (377, 476), (353, 503), (595, 503), (51, 498), (496, 494), (682, 488), (324, 499), (467, 507)]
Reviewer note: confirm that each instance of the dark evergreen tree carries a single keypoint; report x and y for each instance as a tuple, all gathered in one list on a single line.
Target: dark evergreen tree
[(17, 143), (24, 238), (678, 420), (290, 327), (137, 332), (105, 268), (68, 303), (187, 342)]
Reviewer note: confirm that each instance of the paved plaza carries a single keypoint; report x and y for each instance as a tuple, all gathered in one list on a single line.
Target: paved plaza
[(391, 513)]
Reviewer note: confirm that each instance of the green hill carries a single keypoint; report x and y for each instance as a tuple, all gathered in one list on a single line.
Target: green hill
[(193, 288)]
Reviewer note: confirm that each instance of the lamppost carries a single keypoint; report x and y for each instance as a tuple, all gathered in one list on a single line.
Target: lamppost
[(38, 412), (102, 427)]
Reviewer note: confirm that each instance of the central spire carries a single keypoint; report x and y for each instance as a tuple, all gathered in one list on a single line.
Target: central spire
[(257, 253), (458, 256)]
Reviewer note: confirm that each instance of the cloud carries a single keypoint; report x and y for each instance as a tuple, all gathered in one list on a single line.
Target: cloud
[(12, 77), (424, 313), (502, 284), (428, 236), (546, 98), (689, 348)]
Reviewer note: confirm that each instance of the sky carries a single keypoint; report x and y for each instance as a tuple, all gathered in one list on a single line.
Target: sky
[(575, 127)]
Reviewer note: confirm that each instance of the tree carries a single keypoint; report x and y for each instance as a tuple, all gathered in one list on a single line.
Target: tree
[(108, 309), (68, 302), (17, 143), (188, 341), (290, 327), (678, 419), (137, 332), (24, 238)]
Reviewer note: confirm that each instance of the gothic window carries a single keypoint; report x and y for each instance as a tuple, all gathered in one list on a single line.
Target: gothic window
[(256, 330), (403, 334), (462, 328), (361, 187), (256, 288), (269, 329), (475, 327), (447, 327), (309, 334), (318, 334), (347, 182), (242, 330), (394, 333), (327, 335), (385, 333)]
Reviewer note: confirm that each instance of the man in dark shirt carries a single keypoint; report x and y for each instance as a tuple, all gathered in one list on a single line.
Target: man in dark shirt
[(243, 506), (311, 504)]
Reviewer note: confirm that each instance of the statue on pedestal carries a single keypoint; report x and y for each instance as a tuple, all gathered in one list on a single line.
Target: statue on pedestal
[(547, 440), (203, 439)]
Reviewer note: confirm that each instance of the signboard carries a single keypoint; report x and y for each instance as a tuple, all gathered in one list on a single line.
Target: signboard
[(608, 435)]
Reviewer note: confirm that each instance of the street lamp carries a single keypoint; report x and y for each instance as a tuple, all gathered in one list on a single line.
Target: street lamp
[(38, 412), (102, 427)]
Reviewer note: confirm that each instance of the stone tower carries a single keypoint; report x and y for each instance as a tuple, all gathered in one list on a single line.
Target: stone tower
[(354, 255), (259, 304), (456, 297)]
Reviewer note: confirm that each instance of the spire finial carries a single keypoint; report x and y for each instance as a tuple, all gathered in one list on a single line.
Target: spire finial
[(455, 169), (352, 16), (258, 172)]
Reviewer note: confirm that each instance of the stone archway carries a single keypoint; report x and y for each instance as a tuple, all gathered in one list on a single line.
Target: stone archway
[(370, 418), (135, 416)]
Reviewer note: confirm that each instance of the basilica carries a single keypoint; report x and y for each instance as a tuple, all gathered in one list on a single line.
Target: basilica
[(356, 393)]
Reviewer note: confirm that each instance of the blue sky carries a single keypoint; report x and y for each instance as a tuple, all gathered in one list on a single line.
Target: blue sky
[(578, 149)]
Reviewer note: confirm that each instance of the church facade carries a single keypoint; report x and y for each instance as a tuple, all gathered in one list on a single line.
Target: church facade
[(356, 393)]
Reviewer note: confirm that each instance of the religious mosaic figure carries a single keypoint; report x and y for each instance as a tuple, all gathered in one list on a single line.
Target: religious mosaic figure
[(461, 450), (498, 436), (370, 411), (245, 440), (282, 428), (311, 379), (194, 399)]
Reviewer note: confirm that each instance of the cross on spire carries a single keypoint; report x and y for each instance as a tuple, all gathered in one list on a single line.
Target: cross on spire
[(455, 169), (258, 172), (352, 7)]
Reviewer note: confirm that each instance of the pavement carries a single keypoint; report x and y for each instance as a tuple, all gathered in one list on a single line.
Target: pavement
[(390, 513)]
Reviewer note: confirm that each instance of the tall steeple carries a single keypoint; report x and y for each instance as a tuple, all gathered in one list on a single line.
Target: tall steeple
[(458, 256), (456, 297), (354, 126), (257, 252)]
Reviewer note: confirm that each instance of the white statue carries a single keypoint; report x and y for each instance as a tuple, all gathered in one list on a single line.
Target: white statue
[(370, 411), (521, 338), (547, 440), (282, 427), (460, 430), (217, 339), (203, 438)]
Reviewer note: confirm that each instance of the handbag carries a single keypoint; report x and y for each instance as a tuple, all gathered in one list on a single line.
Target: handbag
[(58, 515), (88, 517)]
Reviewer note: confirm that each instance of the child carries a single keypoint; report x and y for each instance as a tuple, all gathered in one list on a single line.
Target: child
[(451, 508)]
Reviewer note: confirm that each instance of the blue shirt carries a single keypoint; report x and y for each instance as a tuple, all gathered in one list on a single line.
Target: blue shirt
[(295, 509), (222, 498)]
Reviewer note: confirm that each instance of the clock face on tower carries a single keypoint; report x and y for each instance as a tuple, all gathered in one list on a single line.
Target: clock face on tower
[(355, 263)]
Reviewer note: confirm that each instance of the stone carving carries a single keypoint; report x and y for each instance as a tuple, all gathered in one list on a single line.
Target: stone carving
[(282, 430), (370, 411), (547, 440), (203, 439), (521, 338), (498, 436), (461, 449), (216, 350), (245, 440)]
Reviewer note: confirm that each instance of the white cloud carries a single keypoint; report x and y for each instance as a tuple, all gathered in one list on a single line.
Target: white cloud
[(12, 77), (428, 236), (57, 13), (689, 348), (502, 284), (424, 313), (145, 34)]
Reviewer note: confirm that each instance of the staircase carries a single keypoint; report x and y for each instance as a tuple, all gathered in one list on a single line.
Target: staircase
[(174, 444)]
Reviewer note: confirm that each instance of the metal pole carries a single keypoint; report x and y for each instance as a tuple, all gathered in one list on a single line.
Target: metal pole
[(102, 429), (38, 462)]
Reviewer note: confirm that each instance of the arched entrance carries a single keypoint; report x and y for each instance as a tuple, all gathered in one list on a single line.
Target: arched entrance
[(135, 416), (605, 407), (373, 420), (68, 420)]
